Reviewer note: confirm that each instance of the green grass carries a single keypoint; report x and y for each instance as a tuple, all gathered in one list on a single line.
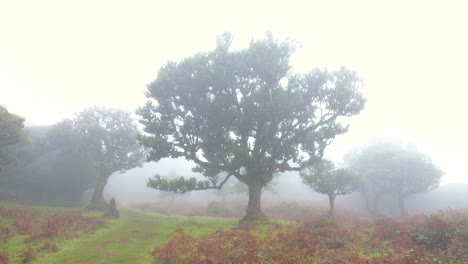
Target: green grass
[(125, 240), (43, 209)]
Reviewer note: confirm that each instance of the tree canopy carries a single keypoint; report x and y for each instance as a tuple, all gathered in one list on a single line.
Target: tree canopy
[(246, 113), (11, 132), (107, 137), (391, 168), (323, 177)]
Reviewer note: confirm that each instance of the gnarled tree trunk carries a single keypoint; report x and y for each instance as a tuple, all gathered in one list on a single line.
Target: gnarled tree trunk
[(254, 207), (97, 201)]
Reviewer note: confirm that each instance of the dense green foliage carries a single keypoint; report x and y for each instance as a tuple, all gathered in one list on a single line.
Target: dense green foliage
[(244, 113), (394, 170), (11, 132), (324, 178)]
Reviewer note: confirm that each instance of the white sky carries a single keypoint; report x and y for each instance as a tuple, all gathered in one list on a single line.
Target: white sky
[(57, 57)]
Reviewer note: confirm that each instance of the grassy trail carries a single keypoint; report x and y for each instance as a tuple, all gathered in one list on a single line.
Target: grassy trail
[(130, 238)]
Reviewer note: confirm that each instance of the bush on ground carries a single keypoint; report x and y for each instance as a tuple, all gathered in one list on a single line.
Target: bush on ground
[(438, 238)]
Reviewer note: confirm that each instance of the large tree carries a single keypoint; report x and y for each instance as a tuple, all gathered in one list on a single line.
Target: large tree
[(323, 177), (107, 137), (393, 169), (245, 113), (11, 132)]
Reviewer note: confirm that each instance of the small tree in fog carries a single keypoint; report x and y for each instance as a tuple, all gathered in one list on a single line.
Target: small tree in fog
[(244, 113), (11, 132), (324, 178), (393, 169), (108, 139)]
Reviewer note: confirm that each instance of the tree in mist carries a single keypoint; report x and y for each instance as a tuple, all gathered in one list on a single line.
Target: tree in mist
[(171, 175), (11, 132), (323, 177), (50, 169), (395, 170), (107, 138), (244, 113)]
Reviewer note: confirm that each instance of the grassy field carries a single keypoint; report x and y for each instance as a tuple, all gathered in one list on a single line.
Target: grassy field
[(131, 238), (50, 235), (125, 240)]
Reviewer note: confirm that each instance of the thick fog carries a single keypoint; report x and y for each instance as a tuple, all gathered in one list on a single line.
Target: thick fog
[(130, 189), (57, 59)]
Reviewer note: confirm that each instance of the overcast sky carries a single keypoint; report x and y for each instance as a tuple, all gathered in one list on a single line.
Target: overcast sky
[(57, 57)]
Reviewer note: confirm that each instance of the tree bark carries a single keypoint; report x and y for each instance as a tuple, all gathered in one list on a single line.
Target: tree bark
[(331, 200), (254, 208), (97, 201)]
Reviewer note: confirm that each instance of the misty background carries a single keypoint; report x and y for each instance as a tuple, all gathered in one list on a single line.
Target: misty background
[(130, 189), (57, 58)]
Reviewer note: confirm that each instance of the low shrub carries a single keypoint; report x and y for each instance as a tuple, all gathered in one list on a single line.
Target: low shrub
[(29, 221), (49, 246), (441, 230), (24, 219), (386, 240), (387, 228), (321, 223), (66, 222), (28, 255), (4, 258)]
